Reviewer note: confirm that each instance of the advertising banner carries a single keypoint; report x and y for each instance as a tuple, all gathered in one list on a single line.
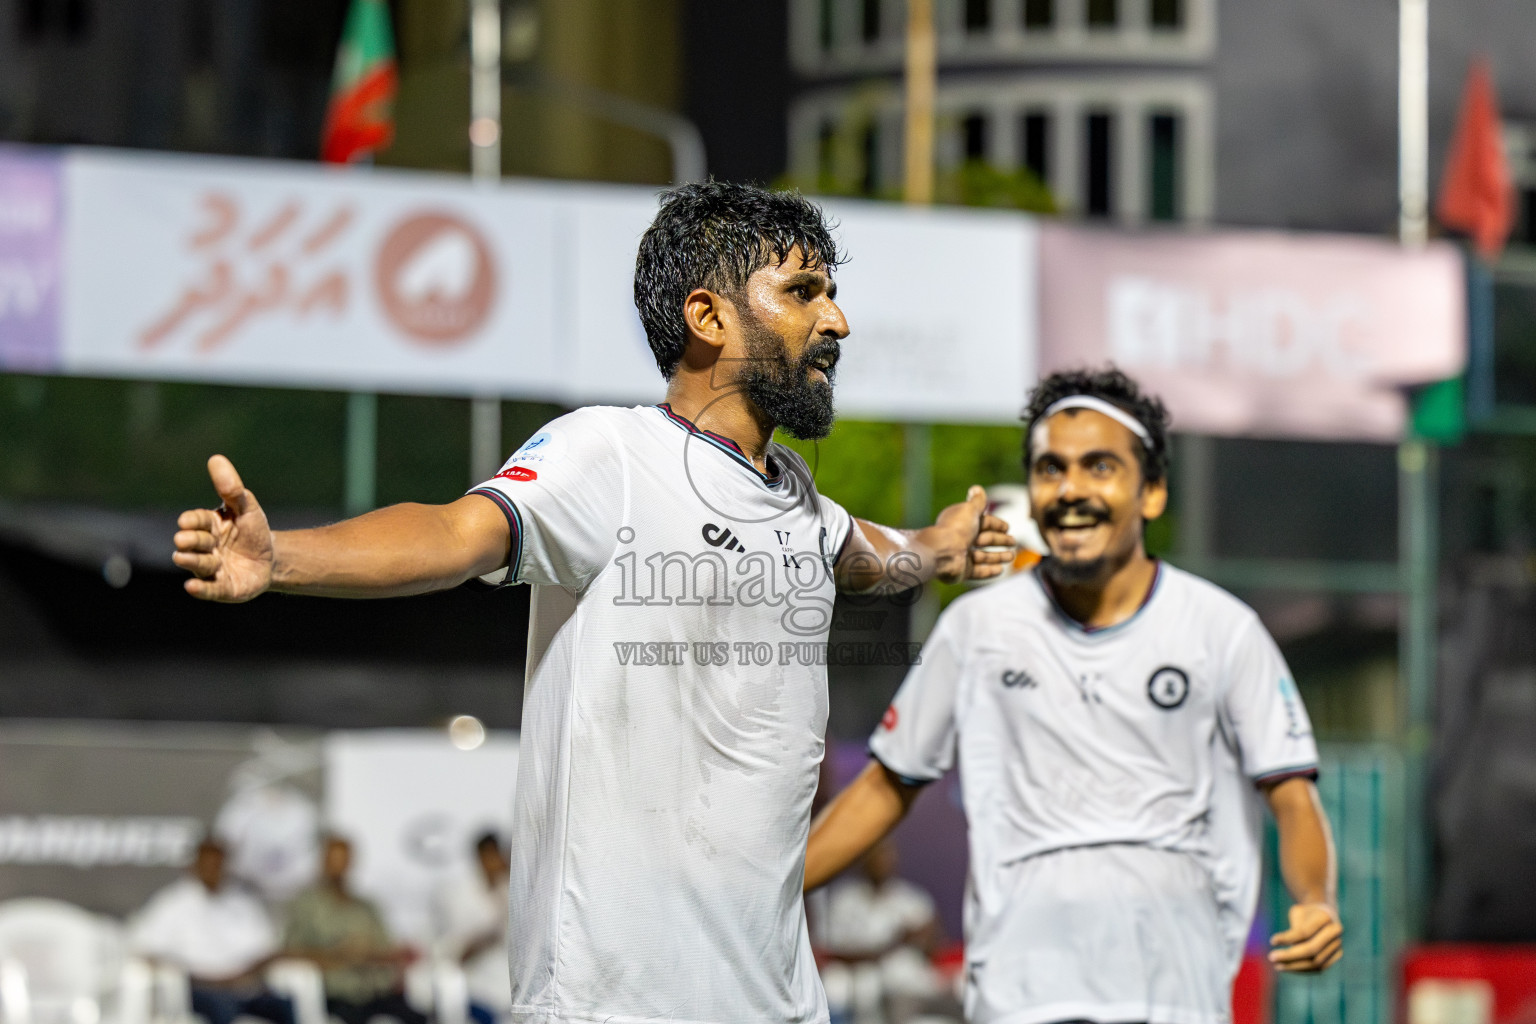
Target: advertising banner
[(192, 268), (31, 224), (943, 312), (265, 273), (940, 304), (247, 272), (1257, 334)]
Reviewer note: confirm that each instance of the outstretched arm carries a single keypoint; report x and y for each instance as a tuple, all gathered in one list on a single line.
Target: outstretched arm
[(859, 817), (404, 549), (1315, 938), (882, 559)]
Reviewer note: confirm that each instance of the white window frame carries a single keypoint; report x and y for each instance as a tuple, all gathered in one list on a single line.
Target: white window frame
[(1067, 100), (1006, 42)]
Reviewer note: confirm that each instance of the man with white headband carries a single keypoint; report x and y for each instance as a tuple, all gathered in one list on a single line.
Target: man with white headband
[(1112, 718)]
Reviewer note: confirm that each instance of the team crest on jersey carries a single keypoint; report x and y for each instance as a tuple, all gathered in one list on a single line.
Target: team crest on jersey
[(1168, 687)]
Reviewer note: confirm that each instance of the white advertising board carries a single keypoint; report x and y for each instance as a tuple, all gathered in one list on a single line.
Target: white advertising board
[(941, 305), (266, 273), (412, 805), (254, 272)]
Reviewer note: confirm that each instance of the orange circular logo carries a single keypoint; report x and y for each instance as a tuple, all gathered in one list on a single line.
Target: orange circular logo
[(436, 279), (888, 720)]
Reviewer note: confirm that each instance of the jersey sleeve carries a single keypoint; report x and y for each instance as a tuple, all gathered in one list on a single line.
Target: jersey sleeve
[(917, 736), (563, 495), (839, 526), (1263, 709)]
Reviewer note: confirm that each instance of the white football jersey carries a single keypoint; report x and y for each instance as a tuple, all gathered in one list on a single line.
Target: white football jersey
[(674, 710), (1072, 739)]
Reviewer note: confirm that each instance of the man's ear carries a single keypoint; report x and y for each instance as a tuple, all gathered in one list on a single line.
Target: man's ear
[(1154, 499), (702, 313)]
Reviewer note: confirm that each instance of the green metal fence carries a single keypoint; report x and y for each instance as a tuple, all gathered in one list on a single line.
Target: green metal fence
[(1364, 790)]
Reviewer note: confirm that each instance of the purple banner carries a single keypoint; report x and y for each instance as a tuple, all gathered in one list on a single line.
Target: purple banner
[(31, 233)]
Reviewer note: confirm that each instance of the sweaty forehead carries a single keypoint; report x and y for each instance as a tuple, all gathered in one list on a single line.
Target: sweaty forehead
[(1072, 432), (794, 263)]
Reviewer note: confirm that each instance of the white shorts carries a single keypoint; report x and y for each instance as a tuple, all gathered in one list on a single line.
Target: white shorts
[(1102, 933)]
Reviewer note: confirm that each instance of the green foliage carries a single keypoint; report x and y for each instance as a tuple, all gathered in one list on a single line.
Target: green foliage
[(131, 444), (145, 445), (859, 466), (978, 183)]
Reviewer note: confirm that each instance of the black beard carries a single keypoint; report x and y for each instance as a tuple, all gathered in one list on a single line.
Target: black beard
[(784, 390), (1075, 574)]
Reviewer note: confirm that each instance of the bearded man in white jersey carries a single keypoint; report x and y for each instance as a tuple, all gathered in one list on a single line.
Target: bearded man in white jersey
[(1107, 712), (684, 568)]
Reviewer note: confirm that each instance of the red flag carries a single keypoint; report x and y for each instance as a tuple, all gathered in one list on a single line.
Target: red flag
[(360, 119), (1476, 195)]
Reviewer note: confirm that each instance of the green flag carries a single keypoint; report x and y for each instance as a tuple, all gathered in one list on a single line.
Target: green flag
[(360, 119)]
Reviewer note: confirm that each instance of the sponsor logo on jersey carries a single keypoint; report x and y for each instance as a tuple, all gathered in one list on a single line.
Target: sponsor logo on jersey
[(1168, 687), (517, 473), (888, 720), (720, 537), (537, 441), (1019, 679), (1295, 728)]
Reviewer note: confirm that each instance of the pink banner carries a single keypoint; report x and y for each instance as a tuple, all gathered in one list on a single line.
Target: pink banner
[(1257, 334), (31, 223)]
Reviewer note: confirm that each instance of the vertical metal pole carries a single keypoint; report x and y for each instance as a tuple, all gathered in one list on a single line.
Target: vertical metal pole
[(917, 474), (1418, 533), (362, 452), (921, 84), (485, 90), (1417, 526), (917, 511), (485, 167), (1413, 121), (485, 453), (917, 438)]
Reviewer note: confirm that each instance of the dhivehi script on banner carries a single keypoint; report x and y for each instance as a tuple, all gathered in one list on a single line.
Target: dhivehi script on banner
[(267, 273)]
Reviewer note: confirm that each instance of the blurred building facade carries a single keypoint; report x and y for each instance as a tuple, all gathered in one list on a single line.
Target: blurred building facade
[(1134, 111)]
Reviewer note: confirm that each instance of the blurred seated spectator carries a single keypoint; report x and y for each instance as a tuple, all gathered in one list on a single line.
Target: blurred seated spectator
[(877, 933), (219, 934), (472, 928), (345, 937)]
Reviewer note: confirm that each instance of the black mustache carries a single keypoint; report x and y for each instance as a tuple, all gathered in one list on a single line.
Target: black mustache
[(827, 347), (1056, 513)]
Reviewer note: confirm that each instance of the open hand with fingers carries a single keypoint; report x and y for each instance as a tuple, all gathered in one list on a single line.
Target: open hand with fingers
[(969, 542), (1313, 942), (228, 550)]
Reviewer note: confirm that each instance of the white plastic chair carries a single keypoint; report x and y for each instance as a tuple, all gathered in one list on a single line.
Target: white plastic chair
[(65, 965), (302, 982), (438, 987)]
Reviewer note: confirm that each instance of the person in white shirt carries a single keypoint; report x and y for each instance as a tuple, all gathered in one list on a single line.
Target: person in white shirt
[(877, 932), (684, 567), (219, 935), (471, 914), (1100, 709)]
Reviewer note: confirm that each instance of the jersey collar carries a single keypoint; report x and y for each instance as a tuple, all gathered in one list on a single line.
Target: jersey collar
[(773, 478), (1045, 587)]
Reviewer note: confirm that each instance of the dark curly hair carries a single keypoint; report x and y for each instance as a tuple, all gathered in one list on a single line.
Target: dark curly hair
[(715, 235), (1114, 387)]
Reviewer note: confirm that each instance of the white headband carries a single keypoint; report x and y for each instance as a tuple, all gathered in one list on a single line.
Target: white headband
[(1098, 405)]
